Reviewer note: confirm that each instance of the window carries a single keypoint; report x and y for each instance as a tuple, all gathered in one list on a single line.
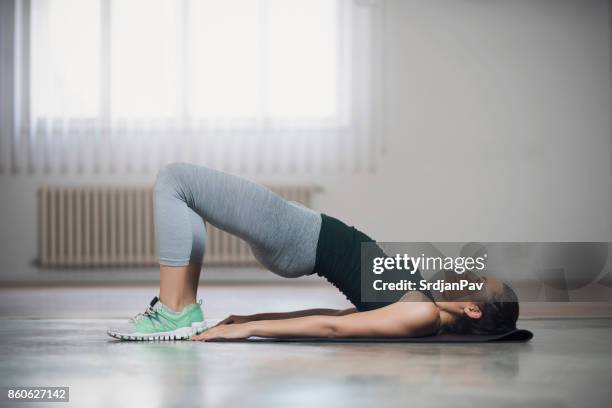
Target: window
[(296, 73)]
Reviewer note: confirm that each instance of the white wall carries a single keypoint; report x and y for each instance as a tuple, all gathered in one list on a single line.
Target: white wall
[(498, 121), (497, 126)]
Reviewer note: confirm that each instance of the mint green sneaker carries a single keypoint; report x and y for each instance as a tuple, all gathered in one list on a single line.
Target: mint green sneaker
[(160, 323)]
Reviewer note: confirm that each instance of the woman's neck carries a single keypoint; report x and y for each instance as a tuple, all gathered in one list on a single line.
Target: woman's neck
[(446, 318)]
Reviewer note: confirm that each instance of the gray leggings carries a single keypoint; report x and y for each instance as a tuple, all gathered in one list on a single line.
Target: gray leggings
[(282, 235)]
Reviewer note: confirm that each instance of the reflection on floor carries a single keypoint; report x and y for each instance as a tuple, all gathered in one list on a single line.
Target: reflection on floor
[(567, 364)]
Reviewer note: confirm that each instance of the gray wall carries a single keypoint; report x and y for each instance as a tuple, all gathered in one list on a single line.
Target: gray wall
[(497, 127)]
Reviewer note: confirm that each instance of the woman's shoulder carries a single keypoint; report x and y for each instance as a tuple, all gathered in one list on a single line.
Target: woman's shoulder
[(416, 296), (419, 310)]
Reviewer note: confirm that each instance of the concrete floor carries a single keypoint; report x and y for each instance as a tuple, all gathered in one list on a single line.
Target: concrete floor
[(568, 364)]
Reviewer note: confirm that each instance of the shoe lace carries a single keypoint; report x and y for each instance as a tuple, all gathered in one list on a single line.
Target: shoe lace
[(150, 311)]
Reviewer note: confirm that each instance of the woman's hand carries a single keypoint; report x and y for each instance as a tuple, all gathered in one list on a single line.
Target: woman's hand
[(235, 319), (226, 331)]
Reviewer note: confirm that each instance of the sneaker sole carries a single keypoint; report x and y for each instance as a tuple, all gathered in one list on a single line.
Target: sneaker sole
[(184, 333)]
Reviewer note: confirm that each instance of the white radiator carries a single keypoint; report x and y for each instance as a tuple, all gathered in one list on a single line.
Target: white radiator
[(95, 226)]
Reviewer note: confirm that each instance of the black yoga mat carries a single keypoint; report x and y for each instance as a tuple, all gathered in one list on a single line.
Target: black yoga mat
[(518, 335)]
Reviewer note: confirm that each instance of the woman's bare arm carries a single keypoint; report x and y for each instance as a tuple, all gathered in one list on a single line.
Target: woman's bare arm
[(236, 319), (401, 319)]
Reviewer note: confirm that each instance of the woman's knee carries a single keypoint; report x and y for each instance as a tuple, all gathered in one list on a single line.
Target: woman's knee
[(171, 176)]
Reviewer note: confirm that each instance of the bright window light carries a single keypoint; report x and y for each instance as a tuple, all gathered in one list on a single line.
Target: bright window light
[(197, 59), (65, 58)]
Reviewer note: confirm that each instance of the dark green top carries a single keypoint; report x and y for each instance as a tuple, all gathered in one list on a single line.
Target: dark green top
[(339, 261)]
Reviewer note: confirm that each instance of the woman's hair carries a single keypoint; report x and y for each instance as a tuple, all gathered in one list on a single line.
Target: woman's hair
[(498, 316)]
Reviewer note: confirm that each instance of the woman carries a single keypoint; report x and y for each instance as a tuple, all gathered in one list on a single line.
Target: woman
[(291, 241)]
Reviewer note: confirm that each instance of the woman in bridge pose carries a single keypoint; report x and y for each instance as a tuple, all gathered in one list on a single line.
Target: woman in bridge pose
[(291, 241)]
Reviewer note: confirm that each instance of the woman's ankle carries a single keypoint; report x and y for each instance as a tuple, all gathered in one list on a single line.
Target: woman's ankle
[(177, 305), (178, 286)]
